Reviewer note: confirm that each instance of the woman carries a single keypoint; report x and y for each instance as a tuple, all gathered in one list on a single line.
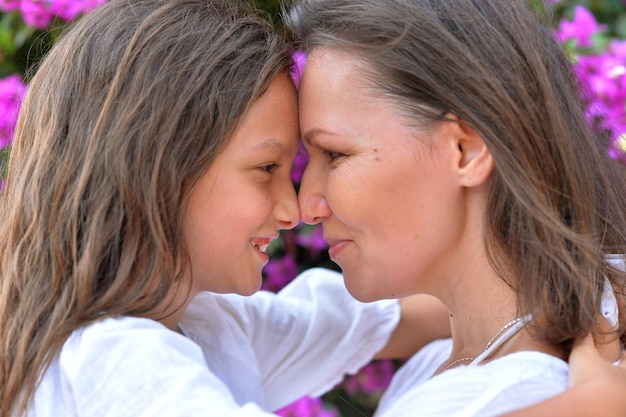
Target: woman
[(448, 145)]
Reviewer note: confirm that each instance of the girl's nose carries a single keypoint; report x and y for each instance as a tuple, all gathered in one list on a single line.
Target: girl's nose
[(287, 211)]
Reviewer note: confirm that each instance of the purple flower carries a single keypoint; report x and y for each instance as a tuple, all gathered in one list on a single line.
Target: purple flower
[(92, 4), (12, 91), (300, 59), (373, 378), (603, 81), (35, 13), (307, 407), (312, 238), (67, 9), (279, 272), (302, 159), (617, 149), (9, 5), (39, 13), (581, 29)]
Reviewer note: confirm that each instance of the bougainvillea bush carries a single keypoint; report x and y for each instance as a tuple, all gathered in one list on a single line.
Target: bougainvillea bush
[(591, 31)]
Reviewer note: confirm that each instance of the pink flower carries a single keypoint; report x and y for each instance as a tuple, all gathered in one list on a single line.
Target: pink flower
[(302, 159), (12, 91), (92, 4), (581, 29), (9, 5), (373, 378), (300, 59), (312, 239), (67, 9), (279, 272), (603, 81), (35, 13), (307, 407)]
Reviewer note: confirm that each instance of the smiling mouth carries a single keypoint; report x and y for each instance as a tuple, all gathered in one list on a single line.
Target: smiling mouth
[(261, 247), (262, 243)]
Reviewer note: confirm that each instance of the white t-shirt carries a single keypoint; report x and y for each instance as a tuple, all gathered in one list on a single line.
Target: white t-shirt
[(275, 350), (514, 381)]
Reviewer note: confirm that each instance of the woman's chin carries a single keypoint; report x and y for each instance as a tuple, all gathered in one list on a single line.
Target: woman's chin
[(362, 293)]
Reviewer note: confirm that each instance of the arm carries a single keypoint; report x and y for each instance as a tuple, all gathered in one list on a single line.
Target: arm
[(301, 341), (424, 319), (597, 387)]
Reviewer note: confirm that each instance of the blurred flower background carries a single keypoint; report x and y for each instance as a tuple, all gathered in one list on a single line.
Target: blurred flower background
[(592, 32)]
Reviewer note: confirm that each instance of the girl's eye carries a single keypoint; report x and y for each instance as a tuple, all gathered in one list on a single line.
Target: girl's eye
[(270, 168)]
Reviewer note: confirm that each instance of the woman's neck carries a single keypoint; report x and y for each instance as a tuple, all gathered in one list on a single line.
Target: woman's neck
[(482, 309)]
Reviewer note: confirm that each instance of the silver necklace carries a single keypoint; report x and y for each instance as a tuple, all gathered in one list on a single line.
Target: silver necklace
[(491, 341), (502, 330), (450, 365)]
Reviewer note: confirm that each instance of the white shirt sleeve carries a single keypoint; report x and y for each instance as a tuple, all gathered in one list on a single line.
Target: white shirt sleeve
[(132, 367), (273, 349)]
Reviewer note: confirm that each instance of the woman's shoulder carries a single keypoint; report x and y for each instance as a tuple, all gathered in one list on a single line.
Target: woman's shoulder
[(513, 381)]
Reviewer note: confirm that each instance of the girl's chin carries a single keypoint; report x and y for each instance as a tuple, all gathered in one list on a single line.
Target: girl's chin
[(250, 289)]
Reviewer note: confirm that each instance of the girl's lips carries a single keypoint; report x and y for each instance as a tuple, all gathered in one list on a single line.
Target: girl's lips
[(264, 256), (260, 245), (336, 247)]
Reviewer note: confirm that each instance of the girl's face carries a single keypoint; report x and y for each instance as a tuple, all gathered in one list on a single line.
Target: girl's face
[(245, 197), (385, 192)]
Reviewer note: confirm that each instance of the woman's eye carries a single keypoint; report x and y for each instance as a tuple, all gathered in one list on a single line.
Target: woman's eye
[(269, 168), (333, 155)]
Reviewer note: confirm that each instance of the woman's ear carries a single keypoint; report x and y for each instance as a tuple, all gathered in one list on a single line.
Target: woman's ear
[(474, 162)]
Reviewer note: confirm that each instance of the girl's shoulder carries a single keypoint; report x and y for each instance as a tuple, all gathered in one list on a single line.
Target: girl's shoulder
[(124, 366)]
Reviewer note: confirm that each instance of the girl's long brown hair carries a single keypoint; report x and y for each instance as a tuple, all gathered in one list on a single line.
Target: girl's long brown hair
[(124, 115)]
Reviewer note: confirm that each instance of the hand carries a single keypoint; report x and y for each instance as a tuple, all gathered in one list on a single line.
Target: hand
[(597, 386), (592, 372)]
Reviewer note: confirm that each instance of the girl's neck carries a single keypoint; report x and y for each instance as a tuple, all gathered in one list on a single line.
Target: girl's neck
[(172, 318)]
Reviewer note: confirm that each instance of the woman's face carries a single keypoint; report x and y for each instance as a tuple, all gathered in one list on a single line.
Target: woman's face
[(246, 196), (386, 193)]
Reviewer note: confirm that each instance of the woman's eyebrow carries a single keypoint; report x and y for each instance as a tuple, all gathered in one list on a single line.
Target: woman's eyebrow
[(308, 137)]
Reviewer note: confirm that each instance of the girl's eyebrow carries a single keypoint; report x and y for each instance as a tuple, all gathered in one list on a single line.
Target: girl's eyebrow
[(272, 144)]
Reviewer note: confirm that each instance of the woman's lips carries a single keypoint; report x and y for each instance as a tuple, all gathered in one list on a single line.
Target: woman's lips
[(336, 247)]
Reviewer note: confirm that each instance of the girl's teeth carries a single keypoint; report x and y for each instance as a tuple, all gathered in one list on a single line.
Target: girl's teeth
[(262, 248)]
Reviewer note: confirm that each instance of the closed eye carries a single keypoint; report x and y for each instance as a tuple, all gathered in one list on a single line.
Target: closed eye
[(333, 155), (269, 168)]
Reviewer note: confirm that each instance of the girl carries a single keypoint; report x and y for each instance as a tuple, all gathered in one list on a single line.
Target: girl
[(152, 162)]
